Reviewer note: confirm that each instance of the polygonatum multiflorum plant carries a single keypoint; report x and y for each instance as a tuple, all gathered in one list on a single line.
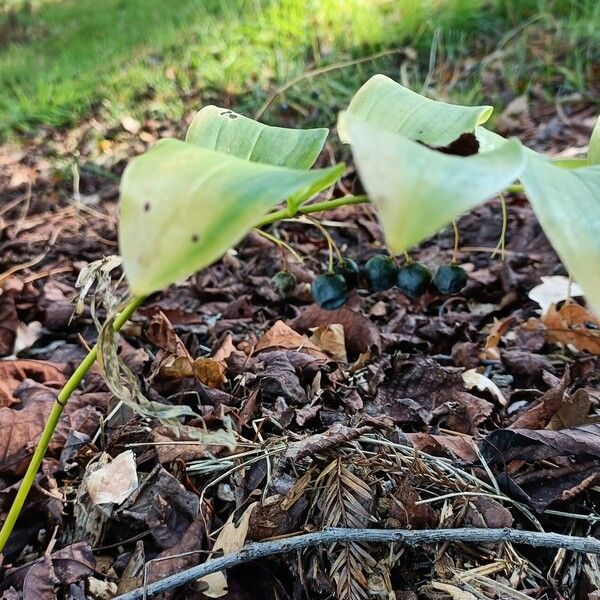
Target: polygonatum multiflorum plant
[(422, 163)]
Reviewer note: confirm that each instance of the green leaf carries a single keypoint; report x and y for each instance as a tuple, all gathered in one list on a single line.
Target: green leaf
[(417, 190), (389, 105), (220, 129), (567, 205), (594, 147), (182, 207)]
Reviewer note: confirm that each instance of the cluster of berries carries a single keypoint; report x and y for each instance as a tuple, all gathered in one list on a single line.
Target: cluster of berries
[(380, 272)]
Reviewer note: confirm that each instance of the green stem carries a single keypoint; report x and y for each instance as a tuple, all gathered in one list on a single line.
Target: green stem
[(308, 209), (55, 414)]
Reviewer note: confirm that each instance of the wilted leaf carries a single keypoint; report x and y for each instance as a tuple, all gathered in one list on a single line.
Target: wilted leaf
[(573, 325), (206, 370), (477, 380), (393, 107), (230, 539), (330, 339), (115, 482), (221, 129), (567, 205), (505, 445), (9, 323), (497, 330), (282, 336), (182, 207), (455, 445), (417, 190), (320, 442)]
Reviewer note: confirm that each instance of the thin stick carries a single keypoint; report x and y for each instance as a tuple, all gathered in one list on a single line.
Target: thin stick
[(321, 71), (55, 414), (336, 535), (501, 245), (455, 251)]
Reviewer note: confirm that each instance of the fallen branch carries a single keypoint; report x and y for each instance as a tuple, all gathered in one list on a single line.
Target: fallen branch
[(328, 536)]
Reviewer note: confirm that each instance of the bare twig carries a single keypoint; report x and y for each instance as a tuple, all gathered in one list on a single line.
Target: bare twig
[(335, 535)]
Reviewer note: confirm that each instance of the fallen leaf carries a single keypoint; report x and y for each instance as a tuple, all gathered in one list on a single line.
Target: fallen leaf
[(13, 372), (330, 338), (360, 332), (230, 540), (321, 442), (283, 336), (497, 330), (504, 445), (554, 289), (574, 326), (27, 335), (115, 482), (539, 415), (206, 370), (454, 445), (574, 411), (477, 380)]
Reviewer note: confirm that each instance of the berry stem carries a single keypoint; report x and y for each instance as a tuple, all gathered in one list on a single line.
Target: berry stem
[(501, 246)]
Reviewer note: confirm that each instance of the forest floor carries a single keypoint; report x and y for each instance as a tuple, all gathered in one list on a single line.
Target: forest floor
[(479, 410)]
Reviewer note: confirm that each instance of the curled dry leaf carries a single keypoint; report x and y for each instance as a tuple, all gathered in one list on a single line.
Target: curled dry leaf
[(320, 442), (283, 336), (497, 330), (230, 539), (574, 326), (206, 370), (330, 338), (477, 380), (455, 445)]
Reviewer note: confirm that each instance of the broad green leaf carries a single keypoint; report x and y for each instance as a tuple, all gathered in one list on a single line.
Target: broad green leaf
[(417, 190), (389, 105), (182, 207), (567, 205), (221, 129), (594, 148)]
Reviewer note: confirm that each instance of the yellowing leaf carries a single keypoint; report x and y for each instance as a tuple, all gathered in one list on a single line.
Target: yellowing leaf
[(387, 104), (567, 205), (182, 207), (224, 130), (417, 190)]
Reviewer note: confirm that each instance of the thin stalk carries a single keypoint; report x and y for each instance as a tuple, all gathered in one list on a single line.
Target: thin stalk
[(456, 243), (501, 246), (55, 414), (330, 243), (308, 209)]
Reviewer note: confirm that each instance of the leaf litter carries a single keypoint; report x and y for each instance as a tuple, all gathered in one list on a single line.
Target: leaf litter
[(482, 411)]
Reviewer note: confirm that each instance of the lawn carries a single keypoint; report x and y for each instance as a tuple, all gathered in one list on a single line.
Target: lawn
[(63, 60)]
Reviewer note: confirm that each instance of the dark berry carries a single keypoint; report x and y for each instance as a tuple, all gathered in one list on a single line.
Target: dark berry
[(414, 279), (284, 283), (450, 279), (330, 291), (349, 270), (381, 273)]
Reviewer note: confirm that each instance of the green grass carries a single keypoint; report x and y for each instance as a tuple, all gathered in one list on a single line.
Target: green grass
[(63, 60)]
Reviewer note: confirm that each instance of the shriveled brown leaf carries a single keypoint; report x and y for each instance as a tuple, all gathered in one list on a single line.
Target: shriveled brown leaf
[(454, 445), (497, 330), (320, 442), (573, 325), (504, 445), (483, 511), (206, 370), (574, 411), (182, 555), (284, 337), (13, 372), (545, 408), (330, 338), (360, 332)]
